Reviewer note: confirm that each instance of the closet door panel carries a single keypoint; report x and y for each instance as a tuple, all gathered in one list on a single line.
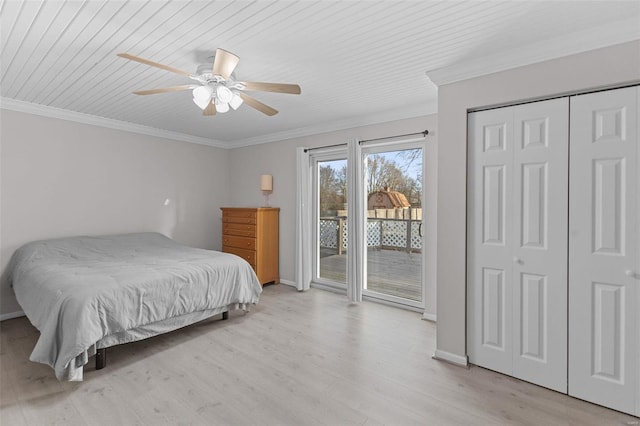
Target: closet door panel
[(603, 249), (489, 266), (517, 247), (540, 242)]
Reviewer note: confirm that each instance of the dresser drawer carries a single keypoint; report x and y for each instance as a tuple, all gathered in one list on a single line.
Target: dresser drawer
[(239, 229), (239, 216), (236, 219), (248, 255), (239, 242)]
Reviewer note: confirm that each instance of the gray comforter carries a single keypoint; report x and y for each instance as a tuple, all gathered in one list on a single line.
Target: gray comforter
[(80, 291)]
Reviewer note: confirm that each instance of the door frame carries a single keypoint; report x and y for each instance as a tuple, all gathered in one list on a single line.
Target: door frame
[(329, 154), (377, 148), (429, 217)]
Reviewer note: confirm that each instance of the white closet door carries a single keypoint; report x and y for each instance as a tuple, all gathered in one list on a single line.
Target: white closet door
[(517, 247), (603, 249), (489, 241), (540, 242)]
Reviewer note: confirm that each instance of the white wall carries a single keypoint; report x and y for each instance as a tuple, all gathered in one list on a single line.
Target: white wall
[(60, 178), (279, 159), (596, 69)]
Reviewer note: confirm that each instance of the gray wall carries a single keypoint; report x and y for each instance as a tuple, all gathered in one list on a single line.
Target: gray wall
[(595, 69), (279, 159), (60, 178)]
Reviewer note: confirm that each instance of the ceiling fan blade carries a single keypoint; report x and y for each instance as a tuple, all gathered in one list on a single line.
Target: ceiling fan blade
[(165, 90), (224, 63), (210, 109), (292, 89), (153, 64), (254, 103)]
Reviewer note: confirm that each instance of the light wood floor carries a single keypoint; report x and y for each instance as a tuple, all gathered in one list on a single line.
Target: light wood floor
[(296, 359)]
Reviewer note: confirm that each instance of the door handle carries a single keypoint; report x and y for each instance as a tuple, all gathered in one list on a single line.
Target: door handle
[(420, 229), (631, 274)]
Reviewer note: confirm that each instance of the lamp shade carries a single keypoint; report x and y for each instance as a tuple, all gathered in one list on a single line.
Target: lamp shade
[(266, 183), (202, 96), (221, 106), (224, 94), (236, 101), (202, 103)]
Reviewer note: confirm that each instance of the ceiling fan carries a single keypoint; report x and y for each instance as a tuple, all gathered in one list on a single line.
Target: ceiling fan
[(217, 88)]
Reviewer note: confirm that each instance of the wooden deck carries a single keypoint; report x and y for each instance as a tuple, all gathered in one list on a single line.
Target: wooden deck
[(396, 273)]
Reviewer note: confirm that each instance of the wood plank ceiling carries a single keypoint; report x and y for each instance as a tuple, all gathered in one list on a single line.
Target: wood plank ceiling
[(357, 62)]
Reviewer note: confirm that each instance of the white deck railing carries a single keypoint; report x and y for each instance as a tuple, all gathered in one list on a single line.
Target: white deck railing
[(395, 234)]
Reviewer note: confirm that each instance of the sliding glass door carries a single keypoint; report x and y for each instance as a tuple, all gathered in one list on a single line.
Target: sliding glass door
[(393, 215), (330, 218)]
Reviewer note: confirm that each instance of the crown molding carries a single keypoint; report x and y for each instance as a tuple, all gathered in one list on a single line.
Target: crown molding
[(595, 38), (79, 117), (422, 110)]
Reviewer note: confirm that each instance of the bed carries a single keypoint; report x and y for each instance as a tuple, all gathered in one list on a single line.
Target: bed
[(85, 294)]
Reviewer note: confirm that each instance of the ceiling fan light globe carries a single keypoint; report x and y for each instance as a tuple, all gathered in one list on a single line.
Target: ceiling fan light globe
[(203, 93), (236, 101), (221, 106), (224, 94), (202, 103)]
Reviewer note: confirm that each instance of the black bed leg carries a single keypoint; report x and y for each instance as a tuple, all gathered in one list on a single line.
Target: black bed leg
[(225, 315), (101, 358)]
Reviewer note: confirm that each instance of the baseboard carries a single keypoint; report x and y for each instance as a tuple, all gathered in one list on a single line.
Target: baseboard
[(332, 289), (430, 317), (287, 282), (11, 315), (461, 361)]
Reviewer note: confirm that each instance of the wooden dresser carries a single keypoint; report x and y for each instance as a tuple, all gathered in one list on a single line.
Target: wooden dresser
[(252, 234)]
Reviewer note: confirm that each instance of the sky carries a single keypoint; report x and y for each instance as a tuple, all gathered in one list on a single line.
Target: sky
[(413, 170)]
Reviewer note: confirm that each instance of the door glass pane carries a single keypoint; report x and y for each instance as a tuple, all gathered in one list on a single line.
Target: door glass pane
[(394, 224), (332, 220)]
